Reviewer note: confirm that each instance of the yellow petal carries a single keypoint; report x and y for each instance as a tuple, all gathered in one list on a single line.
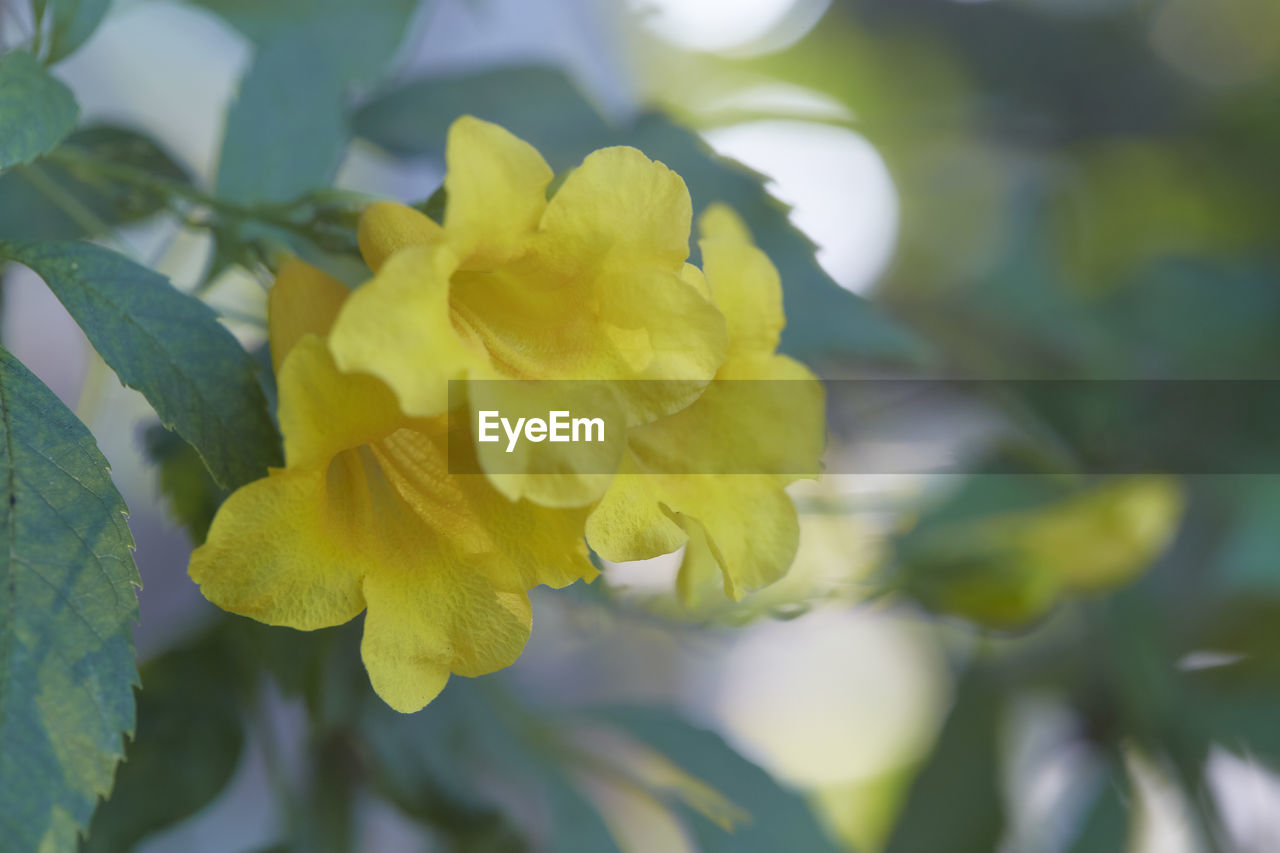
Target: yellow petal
[(538, 545), (697, 280), (719, 221), (619, 206), (324, 411), (277, 552), (387, 227), (763, 414), (743, 281), (553, 473), (440, 615), (303, 300), (495, 187), (628, 324), (1107, 536), (397, 327), (746, 524), (629, 522)]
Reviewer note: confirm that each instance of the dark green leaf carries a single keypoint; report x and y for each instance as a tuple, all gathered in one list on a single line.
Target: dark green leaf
[(285, 131), (425, 763), (170, 347), (955, 803), (193, 496), (36, 111), (360, 39), (71, 22), (1105, 827), (34, 202), (433, 766), (779, 819), (67, 607), (542, 107), (187, 748)]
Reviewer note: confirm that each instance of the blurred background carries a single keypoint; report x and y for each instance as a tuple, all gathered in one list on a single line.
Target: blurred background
[(1015, 189)]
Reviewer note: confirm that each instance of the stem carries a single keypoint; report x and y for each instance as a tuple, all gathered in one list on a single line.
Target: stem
[(173, 191), (78, 211)]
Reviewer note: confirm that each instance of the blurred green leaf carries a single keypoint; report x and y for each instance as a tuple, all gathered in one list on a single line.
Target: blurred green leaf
[(1104, 827), (431, 765), (956, 802), (326, 823), (1239, 717), (34, 203), (779, 819), (170, 347), (68, 602), (36, 111), (285, 132), (1193, 319), (541, 106), (360, 39), (70, 23), (193, 496), (186, 750)]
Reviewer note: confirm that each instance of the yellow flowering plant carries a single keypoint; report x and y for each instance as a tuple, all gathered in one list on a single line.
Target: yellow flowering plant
[(591, 284)]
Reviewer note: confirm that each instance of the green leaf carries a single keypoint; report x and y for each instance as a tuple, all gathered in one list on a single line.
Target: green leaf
[(40, 203), (170, 347), (779, 819), (193, 496), (285, 131), (71, 22), (360, 39), (1105, 828), (67, 595), (36, 111), (541, 106), (426, 763), (188, 745), (955, 803)]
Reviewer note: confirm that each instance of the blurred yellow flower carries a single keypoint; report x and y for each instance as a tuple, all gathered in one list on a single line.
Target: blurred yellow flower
[(365, 515), (1010, 569), (741, 527)]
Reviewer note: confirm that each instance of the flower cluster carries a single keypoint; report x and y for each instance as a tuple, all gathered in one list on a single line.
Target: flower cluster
[(589, 284)]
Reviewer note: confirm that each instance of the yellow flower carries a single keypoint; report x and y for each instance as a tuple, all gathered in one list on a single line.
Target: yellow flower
[(741, 526), (1009, 569), (365, 515), (589, 285)]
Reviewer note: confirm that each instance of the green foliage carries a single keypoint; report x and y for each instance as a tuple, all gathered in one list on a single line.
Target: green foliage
[(1105, 828), (36, 111), (956, 803), (285, 131), (186, 749), (170, 347), (68, 23), (56, 201), (777, 818), (68, 603), (359, 39), (542, 107), (192, 494), (428, 765)]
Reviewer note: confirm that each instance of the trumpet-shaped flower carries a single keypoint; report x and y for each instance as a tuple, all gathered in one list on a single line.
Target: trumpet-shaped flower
[(588, 285), (365, 516), (740, 526)]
